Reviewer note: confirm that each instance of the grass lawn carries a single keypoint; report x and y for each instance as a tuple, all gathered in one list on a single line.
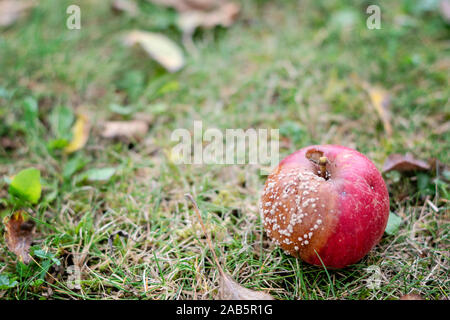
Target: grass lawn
[(296, 66)]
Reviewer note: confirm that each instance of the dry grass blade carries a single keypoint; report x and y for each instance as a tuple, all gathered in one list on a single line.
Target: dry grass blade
[(208, 238), (441, 169), (405, 162), (19, 235), (228, 288)]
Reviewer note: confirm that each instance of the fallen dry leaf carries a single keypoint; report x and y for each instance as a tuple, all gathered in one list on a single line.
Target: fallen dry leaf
[(202, 13), (124, 6), (186, 5), (159, 47), (231, 290), (444, 8), (80, 131), (380, 100), (411, 296), (8, 144), (12, 10), (178, 5), (405, 162), (224, 15), (228, 288), (19, 235), (133, 129)]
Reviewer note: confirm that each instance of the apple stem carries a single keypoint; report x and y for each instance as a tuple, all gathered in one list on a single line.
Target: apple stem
[(317, 157), (323, 167)]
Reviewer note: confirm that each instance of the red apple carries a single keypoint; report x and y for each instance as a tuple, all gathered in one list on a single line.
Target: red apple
[(325, 201)]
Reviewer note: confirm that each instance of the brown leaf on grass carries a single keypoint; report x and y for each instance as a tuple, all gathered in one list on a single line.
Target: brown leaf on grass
[(12, 10), (157, 46), (124, 6), (80, 134), (224, 15), (381, 100), (186, 5), (134, 129), (202, 13), (8, 144), (405, 162), (19, 235), (178, 5), (228, 288), (444, 8), (231, 290), (411, 296)]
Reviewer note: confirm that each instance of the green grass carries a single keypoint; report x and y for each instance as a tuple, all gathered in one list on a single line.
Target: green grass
[(281, 65)]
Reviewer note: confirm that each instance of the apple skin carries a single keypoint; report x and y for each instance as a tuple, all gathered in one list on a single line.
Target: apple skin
[(339, 219)]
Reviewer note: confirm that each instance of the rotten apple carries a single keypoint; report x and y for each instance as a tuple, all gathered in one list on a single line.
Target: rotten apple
[(325, 204)]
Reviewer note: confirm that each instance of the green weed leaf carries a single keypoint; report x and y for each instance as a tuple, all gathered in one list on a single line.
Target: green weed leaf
[(73, 165), (103, 174), (393, 224), (26, 185), (6, 282)]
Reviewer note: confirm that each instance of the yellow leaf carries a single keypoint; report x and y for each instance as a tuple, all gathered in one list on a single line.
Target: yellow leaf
[(80, 131), (174, 157), (380, 100)]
